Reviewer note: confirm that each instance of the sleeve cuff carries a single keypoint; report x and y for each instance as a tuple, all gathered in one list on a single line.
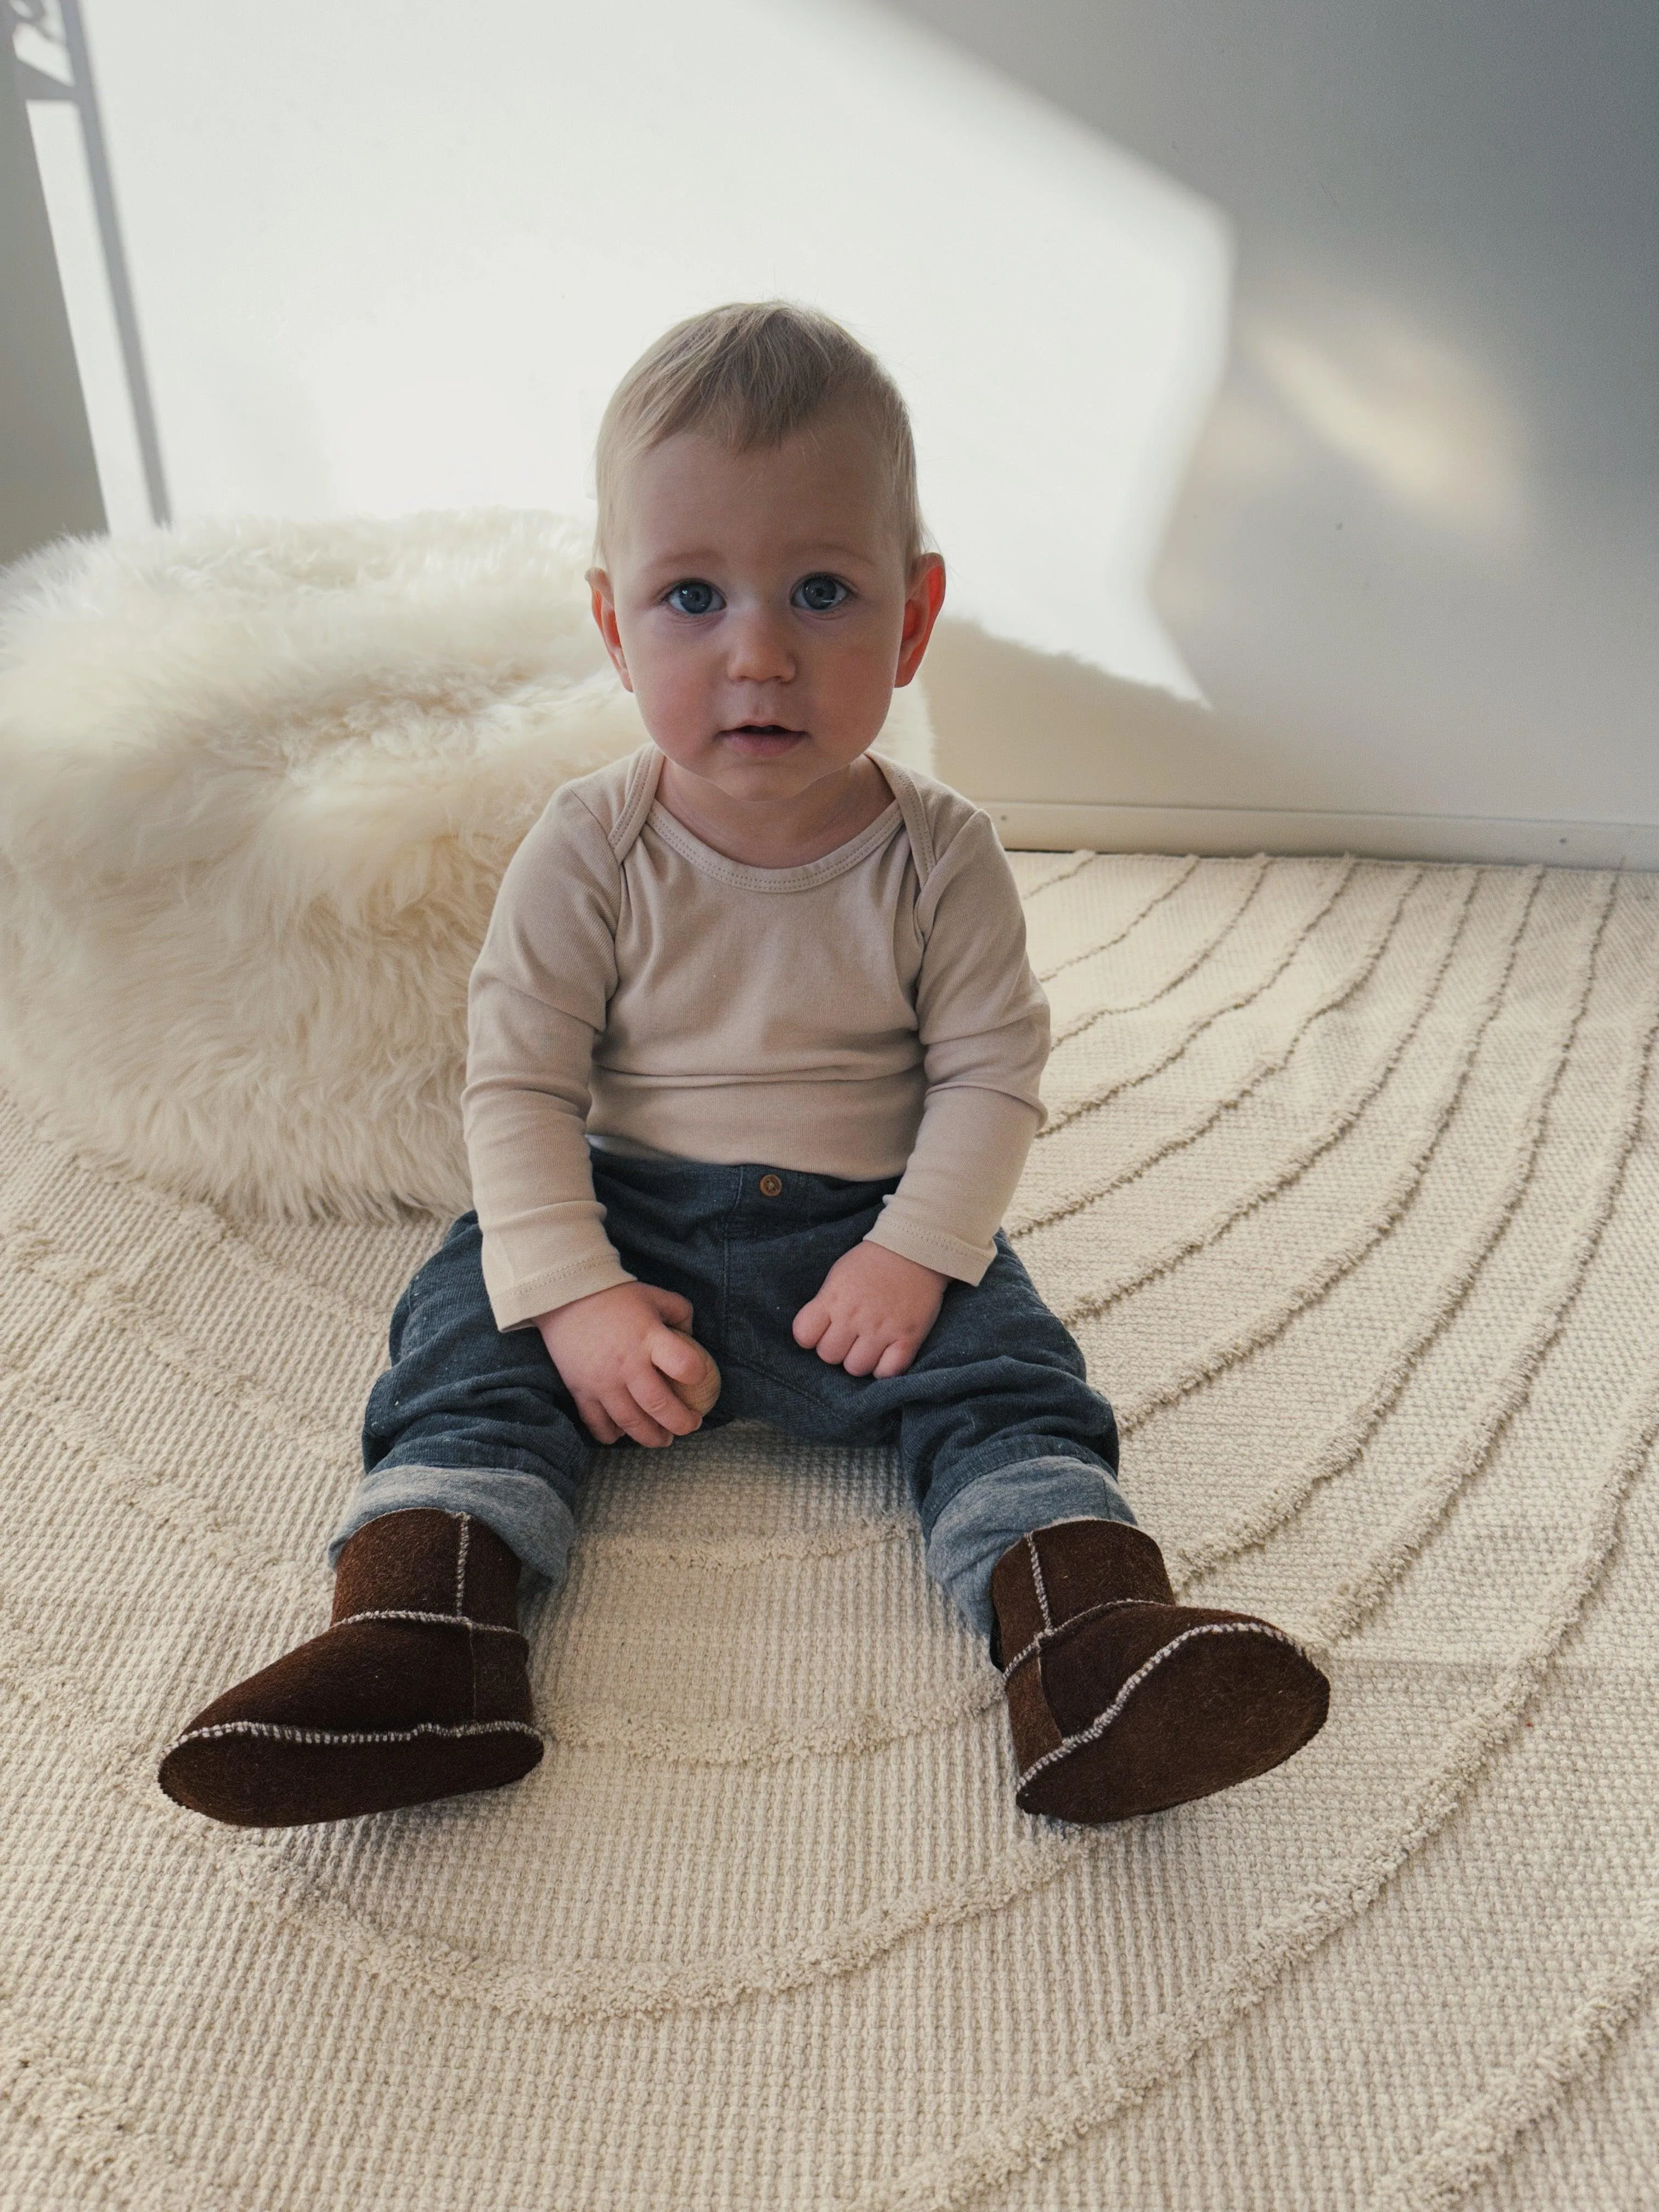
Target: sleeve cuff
[(518, 1303), (932, 1247)]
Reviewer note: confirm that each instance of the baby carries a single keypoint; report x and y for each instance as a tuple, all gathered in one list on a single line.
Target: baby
[(753, 1060)]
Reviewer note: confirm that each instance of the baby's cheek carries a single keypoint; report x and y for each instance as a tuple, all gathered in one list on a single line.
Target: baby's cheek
[(857, 689), (670, 684)]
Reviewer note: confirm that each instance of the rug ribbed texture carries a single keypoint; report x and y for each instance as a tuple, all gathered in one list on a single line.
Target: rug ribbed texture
[(1351, 1193)]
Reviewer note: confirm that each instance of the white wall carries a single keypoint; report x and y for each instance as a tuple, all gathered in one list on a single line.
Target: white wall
[(396, 254), (1331, 555)]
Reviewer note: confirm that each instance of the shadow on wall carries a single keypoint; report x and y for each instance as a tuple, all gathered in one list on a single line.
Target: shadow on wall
[(1063, 732), (1099, 762)]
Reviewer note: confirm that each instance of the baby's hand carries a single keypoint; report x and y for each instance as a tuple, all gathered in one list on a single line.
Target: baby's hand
[(628, 1362), (873, 1312)]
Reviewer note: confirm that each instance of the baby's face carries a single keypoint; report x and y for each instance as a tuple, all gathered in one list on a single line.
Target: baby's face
[(758, 606)]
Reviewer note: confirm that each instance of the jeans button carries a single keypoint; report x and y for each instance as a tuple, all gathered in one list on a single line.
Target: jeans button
[(771, 1186)]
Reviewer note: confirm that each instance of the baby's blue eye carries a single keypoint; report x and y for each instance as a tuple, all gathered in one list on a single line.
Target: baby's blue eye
[(818, 594), (694, 598)]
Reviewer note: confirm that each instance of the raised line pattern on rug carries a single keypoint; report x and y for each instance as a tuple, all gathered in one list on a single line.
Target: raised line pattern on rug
[(1351, 1192)]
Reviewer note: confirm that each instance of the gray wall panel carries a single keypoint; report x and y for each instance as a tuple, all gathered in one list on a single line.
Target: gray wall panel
[(48, 478), (1415, 565)]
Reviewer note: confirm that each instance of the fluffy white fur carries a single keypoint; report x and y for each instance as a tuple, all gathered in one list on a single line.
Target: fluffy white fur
[(258, 782)]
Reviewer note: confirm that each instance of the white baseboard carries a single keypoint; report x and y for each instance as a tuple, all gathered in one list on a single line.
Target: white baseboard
[(1031, 825)]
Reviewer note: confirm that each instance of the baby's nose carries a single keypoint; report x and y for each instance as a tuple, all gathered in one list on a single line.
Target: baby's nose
[(759, 650)]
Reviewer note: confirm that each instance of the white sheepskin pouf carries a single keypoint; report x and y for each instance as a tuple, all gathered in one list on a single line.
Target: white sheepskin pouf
[(258, 782)]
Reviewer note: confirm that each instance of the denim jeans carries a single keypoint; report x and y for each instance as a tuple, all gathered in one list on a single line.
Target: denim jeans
[(995, 1426)]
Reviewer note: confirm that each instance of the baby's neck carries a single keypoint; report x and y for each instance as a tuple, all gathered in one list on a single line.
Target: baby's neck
[(778, 833)]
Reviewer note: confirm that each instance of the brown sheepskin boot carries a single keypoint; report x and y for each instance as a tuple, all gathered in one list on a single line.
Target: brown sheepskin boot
[(1122, 1701), (418, 1690)]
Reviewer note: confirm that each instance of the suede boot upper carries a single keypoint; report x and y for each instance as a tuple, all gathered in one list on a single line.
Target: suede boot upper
[(419, 1689), (1120, 1701)]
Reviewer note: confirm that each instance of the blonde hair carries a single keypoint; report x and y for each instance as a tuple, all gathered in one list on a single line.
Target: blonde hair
[(752, 374)]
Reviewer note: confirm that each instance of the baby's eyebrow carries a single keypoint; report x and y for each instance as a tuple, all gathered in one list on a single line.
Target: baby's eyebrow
[(818, 552), (846, 553)]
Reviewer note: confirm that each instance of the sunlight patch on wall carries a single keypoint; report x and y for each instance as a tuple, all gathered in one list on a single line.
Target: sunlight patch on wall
[(387, 261), (1418, 417)]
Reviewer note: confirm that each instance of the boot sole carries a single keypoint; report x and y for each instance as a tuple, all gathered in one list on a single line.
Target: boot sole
[(257, 1774), (1218, 1705)]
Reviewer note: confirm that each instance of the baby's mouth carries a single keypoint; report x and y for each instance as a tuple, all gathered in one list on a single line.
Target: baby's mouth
[(761, 740)]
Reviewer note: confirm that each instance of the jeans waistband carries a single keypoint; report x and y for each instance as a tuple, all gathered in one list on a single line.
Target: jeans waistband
[(751, 1194)]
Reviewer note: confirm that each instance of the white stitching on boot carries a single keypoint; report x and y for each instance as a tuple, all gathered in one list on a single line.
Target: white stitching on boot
[(281, 1735), (460, 1563), (1036, 1576), (438, 1621), (1099, 1725), (1045, 1636)]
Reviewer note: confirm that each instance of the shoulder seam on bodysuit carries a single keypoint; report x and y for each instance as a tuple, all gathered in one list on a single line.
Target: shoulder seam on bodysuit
[(639, 798), (917, 827)]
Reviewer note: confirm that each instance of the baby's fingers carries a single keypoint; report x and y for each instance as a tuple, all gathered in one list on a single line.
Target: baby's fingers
[(632, 1419), (598, 1423), (836, 1340), (659, 1402), (695, 1378), (811, 1322), (875, 1352), (671, 1306), (677, 1354)]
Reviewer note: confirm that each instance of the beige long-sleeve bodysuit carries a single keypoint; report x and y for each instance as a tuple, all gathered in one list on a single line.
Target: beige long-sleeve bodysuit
[(872, 1013)]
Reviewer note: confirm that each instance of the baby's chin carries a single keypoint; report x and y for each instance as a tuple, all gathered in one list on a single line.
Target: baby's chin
[(769, 741)]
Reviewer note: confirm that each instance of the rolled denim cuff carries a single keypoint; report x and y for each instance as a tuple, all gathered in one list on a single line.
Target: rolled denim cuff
[(990, 1514), (528, 1515)]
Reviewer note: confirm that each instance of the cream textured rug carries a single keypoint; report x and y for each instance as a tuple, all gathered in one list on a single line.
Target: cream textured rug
[(1351, 1194)]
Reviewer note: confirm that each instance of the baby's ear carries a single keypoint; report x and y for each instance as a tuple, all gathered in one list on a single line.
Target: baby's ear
[(924, 596), (604, 614)]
